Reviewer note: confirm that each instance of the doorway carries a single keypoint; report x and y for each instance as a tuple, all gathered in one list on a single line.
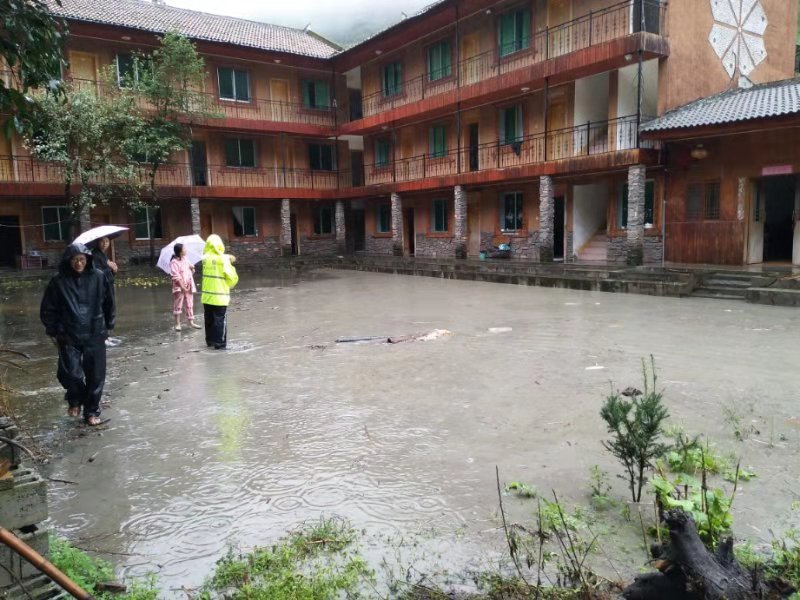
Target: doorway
[(559, 217), (778, 194), (470, 49), (359, 230), (199, 165), (10, 241), (357, 166), (473, 225), (279, 95), (295, 241), (474, 147), (409, 235), (83, 68), (206, 224)]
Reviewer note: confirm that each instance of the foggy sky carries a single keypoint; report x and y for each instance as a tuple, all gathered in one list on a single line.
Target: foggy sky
[(342, 21)]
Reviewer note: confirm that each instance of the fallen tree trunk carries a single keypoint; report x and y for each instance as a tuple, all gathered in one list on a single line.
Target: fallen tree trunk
[(687, 570)]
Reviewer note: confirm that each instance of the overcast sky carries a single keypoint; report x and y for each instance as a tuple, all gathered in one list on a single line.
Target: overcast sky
[(339, 20)]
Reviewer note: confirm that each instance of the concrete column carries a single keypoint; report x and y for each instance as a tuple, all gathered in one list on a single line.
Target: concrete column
[(397, 225), (194, 208), (460, 213), (341, 234), (546, 217), (634, 244), (286, 227)]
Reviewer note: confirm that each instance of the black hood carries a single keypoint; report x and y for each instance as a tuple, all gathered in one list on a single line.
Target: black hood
[(73, 250)]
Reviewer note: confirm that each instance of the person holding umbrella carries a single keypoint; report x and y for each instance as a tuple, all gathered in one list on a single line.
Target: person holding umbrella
[(183, 287), (102, 261)]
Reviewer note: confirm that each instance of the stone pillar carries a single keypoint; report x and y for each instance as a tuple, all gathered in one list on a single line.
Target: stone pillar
[(546, 218), (286, 228), (341, 234), (194, 208), (397, 225), (460, 213), (634, 244)]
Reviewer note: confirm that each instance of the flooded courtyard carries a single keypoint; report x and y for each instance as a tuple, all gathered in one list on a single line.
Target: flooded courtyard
[(208, 450)]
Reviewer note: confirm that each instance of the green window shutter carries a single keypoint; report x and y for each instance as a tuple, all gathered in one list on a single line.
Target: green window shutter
[(623, 207), (649, 202), (247, 151), (501, 119), (438, 141), (51, 219), (322, 94), (242, 86), (307, 89), (505, 28), (392, 79), (433, 62), (518, 133), (141, 226), (225, 79), (447, 55), (525, 29), (232, 152)]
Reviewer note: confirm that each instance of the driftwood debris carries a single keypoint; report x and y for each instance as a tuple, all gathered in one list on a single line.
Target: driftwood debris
[(687, 570)]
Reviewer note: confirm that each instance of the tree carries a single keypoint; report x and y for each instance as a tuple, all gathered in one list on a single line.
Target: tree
[(636, 427), (85, 134), (32, 48), (168, 83)]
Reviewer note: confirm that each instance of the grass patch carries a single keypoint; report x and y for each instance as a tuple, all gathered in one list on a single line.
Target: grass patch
[(316, 562)]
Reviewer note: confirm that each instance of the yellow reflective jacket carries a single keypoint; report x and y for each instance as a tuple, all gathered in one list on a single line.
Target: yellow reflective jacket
[(219, 275)]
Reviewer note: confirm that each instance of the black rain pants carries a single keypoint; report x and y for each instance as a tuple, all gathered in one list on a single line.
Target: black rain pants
[(82, 372), (216, 321)]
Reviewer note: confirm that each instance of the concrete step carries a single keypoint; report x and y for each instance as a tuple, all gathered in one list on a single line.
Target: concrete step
[(733, 283), (774, 296), (711, 291)]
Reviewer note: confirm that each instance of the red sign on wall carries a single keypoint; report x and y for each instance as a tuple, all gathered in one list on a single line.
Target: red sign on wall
[(773, 170)]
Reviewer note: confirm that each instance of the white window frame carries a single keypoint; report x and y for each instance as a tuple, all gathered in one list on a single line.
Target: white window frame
[(503, 211), (61, 222), (147, 210), (119, 75), (240, 211), (233, 83)]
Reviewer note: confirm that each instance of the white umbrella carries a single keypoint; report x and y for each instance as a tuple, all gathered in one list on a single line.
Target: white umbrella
[(193, 244), (94, 234)]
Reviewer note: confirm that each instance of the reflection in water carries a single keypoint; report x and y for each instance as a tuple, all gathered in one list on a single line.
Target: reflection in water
[(208, 449)]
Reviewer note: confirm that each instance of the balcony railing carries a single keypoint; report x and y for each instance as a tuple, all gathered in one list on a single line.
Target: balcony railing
[(605, 25), (255, 109), (588, 139), (573, 142), (24, 169)]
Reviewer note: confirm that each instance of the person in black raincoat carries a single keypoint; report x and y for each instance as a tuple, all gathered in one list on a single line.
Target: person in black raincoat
[(78, 312), (101, 260)]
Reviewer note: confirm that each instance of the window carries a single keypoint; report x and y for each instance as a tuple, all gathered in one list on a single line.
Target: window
[(702, 201), (244, 221), (439, 61), (439, 216), (381, 153), (321, 157), (511, 124), (438, 141), (511, 212), (127, 70), (649, 204), (233, 84), (384, 218), (323, 220), (316, 94), (147, 223), (392, 79), (240, 152), (57, 223), (514, 31)]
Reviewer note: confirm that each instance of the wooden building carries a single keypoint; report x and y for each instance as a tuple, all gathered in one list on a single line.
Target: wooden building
[(471, 124)]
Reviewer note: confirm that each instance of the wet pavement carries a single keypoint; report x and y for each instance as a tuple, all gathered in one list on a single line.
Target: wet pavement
[(211, 449)]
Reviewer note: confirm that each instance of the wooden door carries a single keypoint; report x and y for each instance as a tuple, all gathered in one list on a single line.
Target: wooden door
[(471, 62), (83, 68), (279, 95), (6, 161), (559, 139), (559, 12)]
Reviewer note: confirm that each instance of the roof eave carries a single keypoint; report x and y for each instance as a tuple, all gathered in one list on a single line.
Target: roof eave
[(676, 134)]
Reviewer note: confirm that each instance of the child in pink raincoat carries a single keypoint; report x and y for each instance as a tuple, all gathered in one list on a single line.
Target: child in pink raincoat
[(183, 287)]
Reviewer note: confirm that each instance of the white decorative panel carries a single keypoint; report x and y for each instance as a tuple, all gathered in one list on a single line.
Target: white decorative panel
[(737, 35)]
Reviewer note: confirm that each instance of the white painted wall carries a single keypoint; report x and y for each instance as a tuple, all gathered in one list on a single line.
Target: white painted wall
[(591, 99), (590, 209), (627, 96)]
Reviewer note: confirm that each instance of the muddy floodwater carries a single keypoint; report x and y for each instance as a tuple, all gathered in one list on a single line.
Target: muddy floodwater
[(207, 450)]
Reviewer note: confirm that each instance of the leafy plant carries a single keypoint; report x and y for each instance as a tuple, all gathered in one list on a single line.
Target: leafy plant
[(635, 426), (600, 488), (522, 490), (689, 456), (738, 474)]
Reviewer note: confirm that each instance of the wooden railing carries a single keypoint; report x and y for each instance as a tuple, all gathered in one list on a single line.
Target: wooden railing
[(605, 25)]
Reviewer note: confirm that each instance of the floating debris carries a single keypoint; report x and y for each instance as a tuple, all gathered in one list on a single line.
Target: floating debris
[(500, 329)]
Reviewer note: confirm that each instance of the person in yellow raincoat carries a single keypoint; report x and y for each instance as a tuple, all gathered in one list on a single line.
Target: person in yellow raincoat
[(219, 276)]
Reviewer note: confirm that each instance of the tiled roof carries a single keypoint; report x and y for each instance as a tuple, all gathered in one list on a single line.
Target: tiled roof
[(425, 10), (159, 18), (758, 102)]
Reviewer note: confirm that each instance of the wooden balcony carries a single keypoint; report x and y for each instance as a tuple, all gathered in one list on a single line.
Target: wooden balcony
[(590, 44)]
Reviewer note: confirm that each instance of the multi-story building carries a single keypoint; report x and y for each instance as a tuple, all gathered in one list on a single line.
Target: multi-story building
[(472, 124)]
